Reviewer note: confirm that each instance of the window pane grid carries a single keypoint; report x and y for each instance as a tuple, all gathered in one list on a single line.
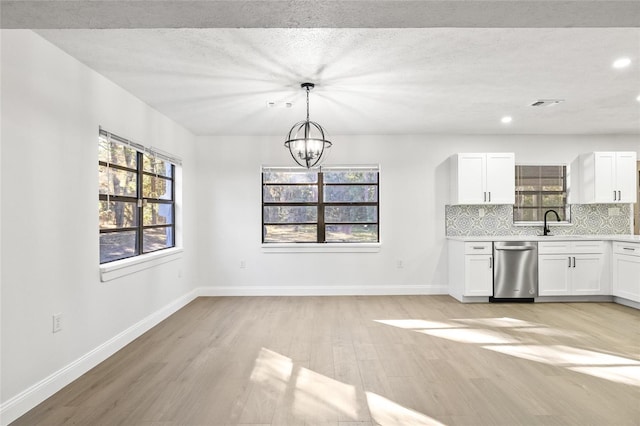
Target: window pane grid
[(136, 202), (320, 206), (538, 189)]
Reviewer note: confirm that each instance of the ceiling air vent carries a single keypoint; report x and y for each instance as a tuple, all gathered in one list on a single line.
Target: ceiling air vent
[(546, 102)]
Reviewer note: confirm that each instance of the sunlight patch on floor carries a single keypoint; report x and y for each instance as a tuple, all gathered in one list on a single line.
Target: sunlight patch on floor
[(497, 322), (626, 374), (472, 335), (271, 367), (562, 355), (323, 396), (413, 324), (598, 364), (552, 332), (318, 398), (387, 413)]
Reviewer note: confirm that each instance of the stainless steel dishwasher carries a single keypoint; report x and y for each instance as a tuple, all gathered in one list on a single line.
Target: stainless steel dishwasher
[(515, 271)]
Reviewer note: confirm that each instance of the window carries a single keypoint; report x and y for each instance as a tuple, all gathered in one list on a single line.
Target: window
[(538, 189), (331, 205), (136, 199)]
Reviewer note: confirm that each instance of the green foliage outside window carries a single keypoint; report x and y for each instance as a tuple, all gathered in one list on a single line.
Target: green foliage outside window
[(331, 205)]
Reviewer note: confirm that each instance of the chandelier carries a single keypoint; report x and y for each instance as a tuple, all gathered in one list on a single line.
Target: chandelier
[(306, 140)]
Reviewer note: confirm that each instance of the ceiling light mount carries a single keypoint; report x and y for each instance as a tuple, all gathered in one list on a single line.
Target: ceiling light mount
[(547, 102), (306, 141)]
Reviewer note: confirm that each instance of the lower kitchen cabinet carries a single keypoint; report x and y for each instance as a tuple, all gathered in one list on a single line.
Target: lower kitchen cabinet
[(478, 271), (554, 275), (470, 269), (564, 269), (626, 270)]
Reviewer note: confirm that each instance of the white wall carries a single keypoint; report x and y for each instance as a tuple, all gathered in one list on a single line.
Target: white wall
[(413, 192), (52, 106)]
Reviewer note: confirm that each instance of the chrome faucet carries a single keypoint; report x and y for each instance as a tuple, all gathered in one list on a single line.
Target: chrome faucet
[(545, 231)]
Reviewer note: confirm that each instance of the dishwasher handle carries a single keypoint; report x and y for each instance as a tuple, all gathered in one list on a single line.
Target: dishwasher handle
[(515, 248)]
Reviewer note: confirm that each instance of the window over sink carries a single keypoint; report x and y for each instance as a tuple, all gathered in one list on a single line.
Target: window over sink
[(540, 188)]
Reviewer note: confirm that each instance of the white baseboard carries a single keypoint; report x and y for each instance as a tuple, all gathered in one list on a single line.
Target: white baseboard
[(34, 395), (626, 302), (316, 290)]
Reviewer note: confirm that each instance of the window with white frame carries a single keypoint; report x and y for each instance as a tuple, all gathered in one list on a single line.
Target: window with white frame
[(136, 198), (328, 205), (538, 189)]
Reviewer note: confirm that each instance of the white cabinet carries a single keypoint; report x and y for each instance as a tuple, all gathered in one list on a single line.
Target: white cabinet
[(626, 270), (470, 269), (483, 178), (478, 280), (572, 268), (553, 275), (608, 177)]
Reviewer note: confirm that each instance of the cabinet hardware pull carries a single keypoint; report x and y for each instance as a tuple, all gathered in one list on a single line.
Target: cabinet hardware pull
[(619, 196), (489, 196), (485, 197), (614, 196), (628, 248), (569, 261), (490, 262), (477, 248), (574, 262)]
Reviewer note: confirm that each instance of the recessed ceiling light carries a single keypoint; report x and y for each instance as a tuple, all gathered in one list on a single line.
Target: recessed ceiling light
[(621, 63), (638, 98), (506, 119)]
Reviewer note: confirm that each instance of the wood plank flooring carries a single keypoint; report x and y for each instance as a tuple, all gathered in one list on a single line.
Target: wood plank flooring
[(356, 361)]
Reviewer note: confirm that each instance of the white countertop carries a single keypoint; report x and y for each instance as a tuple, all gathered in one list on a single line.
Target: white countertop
[(624, 238)]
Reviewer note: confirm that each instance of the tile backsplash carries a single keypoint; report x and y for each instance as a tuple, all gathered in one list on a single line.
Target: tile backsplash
[(586, 219)]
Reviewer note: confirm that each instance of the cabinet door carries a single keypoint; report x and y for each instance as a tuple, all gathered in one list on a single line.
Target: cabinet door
[(626, 177), (553, 274), (478, 279), (586, 274), (471, 178), (626, 277), (604, 179), (501, 178)]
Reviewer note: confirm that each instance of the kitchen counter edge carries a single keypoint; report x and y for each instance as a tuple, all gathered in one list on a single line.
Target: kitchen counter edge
[(622, 238)]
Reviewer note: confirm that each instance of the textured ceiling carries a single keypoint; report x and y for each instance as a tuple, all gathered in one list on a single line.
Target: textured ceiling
[(381, 67), (374, 81)]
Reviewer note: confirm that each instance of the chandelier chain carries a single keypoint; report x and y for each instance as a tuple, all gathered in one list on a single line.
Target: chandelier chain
[(308, 88)]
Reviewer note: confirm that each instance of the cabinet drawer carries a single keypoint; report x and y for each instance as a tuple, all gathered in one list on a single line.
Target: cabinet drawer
[(587, 247), (564, 247), (480, 247), (553, 247), (630, 249)]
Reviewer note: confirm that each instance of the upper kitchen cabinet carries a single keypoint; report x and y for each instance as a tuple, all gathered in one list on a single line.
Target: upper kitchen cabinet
[(481, 178), (608, 177)]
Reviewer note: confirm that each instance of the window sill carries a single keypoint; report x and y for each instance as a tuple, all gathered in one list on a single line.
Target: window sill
[(550, 224), (321, 248), (120, 268)]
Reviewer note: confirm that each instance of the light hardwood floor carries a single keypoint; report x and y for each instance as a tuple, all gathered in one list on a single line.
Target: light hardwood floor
[(394, 360)]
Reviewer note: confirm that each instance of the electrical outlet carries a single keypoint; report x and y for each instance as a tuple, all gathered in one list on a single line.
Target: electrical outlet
[(481, 212), (57, 323), (243, 264), (614, 211)]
